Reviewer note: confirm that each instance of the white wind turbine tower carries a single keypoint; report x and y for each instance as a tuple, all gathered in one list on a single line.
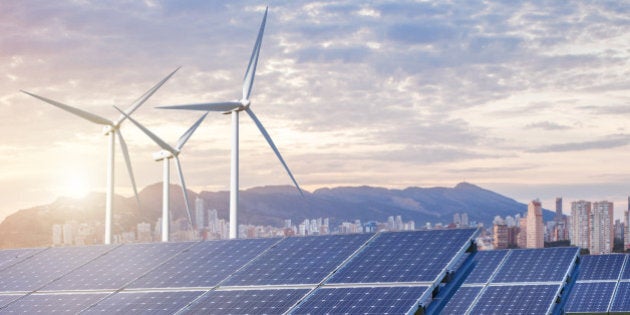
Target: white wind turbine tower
[(111, 129), (234, 108), (168, 152)]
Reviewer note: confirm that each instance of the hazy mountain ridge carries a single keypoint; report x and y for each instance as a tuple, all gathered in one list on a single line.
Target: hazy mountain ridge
[(269, 205)]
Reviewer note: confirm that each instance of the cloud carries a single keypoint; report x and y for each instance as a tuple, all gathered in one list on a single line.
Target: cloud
[(547, 125), (609, 142)]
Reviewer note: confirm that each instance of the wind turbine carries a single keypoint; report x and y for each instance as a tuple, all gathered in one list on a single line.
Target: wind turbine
[(111, 129), (168, 152), (234, 108)]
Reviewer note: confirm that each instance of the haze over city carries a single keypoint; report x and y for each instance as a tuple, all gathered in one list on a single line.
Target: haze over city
[(524, 98)]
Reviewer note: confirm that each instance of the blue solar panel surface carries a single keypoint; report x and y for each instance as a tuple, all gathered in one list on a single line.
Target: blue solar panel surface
[(404, 257), (626, 271), (366, 300), (204, 265), (9, 257), (590, 297), (601, 267), (484, 265), (6, 299), (551, 265), (46, 266), (272, 301), (461, 300), (144, 303), (52, 303), (621, 303), (299, 260), (516, 299), (118, 267)]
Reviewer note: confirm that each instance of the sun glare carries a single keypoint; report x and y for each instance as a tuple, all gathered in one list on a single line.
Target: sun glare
[(75, 186)]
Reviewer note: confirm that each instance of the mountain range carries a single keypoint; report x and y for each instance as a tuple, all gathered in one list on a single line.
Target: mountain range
[(269, 205)]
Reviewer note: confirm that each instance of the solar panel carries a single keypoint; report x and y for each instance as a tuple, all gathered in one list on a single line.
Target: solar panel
[(299, 260), (626, 271), (621, 303), (600, 267), (516, 299), (404, 257), (271, 301), (537, 265), (144, 303), (204, 265), (461, 300), (49, 264), (363, 300), (6, 299), (12, 256), (62, 303), (118, 267), (590, 297), (485, 264)]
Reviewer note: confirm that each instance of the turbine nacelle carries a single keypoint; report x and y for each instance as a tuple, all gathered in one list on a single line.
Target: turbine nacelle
[(107, 129), (163, 154), (244, 105)]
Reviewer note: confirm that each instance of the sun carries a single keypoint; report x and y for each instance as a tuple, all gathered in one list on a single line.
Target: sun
[(75, 186)]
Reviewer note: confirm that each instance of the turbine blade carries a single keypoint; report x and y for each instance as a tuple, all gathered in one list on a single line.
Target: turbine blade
[(181, 181), (79, 112), (182, 140), (213, 107), (135, 105), (151, 135), (273, 146), (248, 80), (125, 151)]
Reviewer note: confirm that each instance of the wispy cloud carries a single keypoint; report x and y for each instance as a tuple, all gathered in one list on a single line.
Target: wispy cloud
[(609, 142)]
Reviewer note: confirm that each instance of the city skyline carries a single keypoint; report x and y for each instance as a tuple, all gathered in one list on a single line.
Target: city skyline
[(524, 99)]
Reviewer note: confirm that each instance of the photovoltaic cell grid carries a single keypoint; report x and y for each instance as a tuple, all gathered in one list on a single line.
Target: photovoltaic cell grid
[(118, 267), (299, 260), (144, 303), (590, 297), (621, 303), (63, 303), (49, 264), (484, 265), (600, 267), (626, 271), (273, 301), (551, 264), (461, 300), (12, 256), (365, 300), (404, 257), (516, 299), (204, 265), (6, 299)]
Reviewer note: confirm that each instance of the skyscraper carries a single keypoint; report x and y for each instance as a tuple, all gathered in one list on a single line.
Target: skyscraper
[(535, 227), (500, 233), (626, 235), (580, 216), (601, 228), (200, 214), (559, 214)]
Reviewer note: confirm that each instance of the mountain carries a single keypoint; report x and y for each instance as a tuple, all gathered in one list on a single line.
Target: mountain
[(269, 205)]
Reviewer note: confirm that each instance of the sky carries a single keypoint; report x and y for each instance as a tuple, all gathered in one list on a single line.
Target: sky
[(525, 98)]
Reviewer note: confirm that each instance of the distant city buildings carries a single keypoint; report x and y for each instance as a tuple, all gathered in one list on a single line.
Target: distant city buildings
[(580, 216), (535, 228), (601, 228)]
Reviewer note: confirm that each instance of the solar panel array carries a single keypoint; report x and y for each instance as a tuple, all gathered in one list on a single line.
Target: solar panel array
[(518, 281), (385, 273), (389, 272), (601, 287)]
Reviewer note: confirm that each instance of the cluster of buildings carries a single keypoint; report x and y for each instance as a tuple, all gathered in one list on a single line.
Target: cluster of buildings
[(208, 226), (591, 226)]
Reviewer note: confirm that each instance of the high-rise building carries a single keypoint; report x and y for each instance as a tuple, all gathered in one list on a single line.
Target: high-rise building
[(626, 238), (535, 227), (500, 233), (521, 240), (200, 214), (465, 222), (559, 214), (580, 216), (601, 228)]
